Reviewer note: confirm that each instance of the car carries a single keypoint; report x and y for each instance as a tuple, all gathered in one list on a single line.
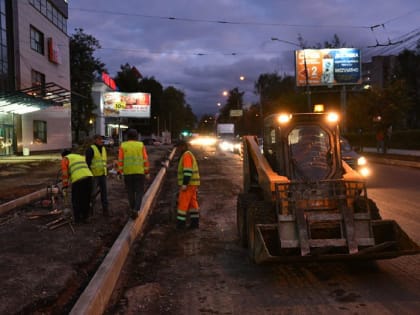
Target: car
[(231, 144), (354, 159)]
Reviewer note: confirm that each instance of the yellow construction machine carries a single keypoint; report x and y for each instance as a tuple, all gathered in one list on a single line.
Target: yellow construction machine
[(302, 202)]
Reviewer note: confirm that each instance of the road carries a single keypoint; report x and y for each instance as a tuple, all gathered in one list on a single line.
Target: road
[(395, 190), (206, 271)]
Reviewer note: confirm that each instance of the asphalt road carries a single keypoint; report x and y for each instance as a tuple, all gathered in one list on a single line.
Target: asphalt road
[(206, 271)]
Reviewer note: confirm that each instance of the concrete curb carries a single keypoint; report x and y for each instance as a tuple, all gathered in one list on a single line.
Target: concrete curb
[(6, 207), (386, 161), (95, 297)]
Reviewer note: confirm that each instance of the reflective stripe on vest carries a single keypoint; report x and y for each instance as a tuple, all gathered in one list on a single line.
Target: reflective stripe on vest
[(195, 176), (98, 164), (133, 157), (77, 167)]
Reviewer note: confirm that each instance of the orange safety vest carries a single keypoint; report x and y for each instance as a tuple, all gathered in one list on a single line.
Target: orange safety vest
[(188, 166)]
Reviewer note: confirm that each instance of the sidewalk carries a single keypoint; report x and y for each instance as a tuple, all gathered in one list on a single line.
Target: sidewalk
[(394, 151)]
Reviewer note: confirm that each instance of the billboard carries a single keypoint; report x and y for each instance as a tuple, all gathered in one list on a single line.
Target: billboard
[(119, 104), (335, 66)]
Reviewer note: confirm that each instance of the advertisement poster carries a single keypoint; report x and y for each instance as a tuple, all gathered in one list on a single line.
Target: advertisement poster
[(328, 67), (118, 104)]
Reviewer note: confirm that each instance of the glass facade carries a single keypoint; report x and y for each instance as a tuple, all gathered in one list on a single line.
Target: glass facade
[(6, 134), (4, 60)]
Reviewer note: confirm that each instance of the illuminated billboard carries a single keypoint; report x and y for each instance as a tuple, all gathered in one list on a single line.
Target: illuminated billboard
[(336, 66), (118, 104)]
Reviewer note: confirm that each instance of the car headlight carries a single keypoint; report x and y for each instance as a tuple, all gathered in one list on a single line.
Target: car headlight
[(361, 161)]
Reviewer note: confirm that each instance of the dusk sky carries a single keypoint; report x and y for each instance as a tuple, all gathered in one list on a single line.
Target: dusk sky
[(202, 47)]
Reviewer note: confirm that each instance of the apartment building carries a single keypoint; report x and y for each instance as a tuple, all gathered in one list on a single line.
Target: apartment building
[(35, 109)]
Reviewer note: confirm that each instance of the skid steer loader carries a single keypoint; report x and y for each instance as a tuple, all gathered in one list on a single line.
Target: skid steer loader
[(302, 202)]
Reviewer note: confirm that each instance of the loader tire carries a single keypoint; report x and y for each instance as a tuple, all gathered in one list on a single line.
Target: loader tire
[(374, 210), (251, 232), (360, 206), (241, 220), (258, 212)]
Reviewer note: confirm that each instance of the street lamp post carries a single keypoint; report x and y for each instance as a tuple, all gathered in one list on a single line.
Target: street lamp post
[(157, 119)]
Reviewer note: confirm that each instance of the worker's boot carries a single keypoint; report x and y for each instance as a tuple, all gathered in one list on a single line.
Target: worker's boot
[(194, 223), (180, 224)]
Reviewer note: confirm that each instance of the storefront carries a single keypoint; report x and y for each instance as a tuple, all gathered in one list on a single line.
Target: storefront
[(31, 122)]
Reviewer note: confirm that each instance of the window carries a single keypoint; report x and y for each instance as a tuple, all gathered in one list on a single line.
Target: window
[(37, 40), (40, 131), (38, 79), (51, 13)]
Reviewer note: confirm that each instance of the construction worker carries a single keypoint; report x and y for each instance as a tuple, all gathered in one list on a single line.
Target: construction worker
[(96, 159), (188, 182), (75, 171), (133, 164)]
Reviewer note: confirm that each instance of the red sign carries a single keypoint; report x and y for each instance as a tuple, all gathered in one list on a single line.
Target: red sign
[(53, 52), (108, 81)]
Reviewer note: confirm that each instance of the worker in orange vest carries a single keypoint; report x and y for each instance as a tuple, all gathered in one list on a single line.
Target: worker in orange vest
[(76, 172), (188, 181)]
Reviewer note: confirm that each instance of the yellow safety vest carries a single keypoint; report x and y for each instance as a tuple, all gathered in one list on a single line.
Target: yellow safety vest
[(133, 162), (195, 175), (98, 164), (78, 168)]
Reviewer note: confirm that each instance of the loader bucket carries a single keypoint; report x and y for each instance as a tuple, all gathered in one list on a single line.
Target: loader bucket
[(390, 242)]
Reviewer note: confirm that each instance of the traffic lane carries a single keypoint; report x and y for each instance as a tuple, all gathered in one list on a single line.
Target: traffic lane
[(395, 189), (207, 271)]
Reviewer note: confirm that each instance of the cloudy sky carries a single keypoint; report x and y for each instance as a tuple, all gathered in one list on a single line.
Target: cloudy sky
[(202, 47)]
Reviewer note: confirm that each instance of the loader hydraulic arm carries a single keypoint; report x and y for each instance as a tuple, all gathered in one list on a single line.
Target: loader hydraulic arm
[(257, 170)]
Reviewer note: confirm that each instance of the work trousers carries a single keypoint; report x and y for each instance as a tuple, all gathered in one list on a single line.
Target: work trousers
[(188, 203), (100, 182), (81, 192), (134, 184)]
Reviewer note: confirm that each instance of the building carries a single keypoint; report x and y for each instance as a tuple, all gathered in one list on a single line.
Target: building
[(35, 110), (379, 71)]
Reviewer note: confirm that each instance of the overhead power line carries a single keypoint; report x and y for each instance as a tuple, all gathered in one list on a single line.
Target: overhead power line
[(183, 19)]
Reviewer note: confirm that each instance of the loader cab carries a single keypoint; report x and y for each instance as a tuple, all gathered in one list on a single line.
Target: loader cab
[(303, 146)]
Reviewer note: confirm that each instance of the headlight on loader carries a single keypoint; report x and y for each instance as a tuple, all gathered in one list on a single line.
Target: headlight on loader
[(361, 161)]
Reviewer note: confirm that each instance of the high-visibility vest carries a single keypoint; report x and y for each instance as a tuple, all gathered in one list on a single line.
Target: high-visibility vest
[(98, 164), (78, 167), (133, 162), (188, 171)]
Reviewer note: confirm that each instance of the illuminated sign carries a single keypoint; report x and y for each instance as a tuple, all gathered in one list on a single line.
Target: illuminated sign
[(235, 113), (327, 67), (53, 52), (108, 81), (118, 104)]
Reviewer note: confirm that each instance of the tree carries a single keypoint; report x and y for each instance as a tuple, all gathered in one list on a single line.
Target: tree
[(408, 71), (207, 124), (174, 113), (234, 101), (84, 68), (128, 79)]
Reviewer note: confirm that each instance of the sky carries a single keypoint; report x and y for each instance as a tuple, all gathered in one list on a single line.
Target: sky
[(202, 47)]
